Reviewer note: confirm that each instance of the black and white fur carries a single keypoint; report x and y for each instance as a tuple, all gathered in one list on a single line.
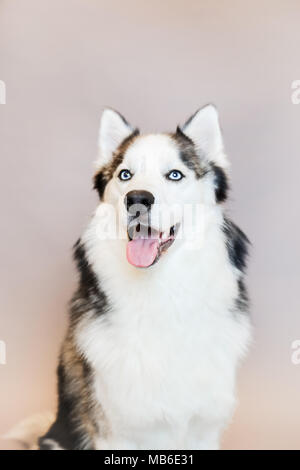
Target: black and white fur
[(151, 355)]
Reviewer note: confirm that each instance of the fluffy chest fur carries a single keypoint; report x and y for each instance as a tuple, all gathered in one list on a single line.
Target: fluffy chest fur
[(167, 350)]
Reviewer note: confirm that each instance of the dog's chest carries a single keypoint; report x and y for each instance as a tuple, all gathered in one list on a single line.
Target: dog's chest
[(163, 352)]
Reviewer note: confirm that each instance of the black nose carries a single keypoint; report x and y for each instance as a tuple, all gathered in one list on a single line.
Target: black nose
[(142, 200)]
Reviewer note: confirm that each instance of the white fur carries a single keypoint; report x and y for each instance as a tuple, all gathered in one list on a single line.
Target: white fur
[(165, 356), (113, 130), (204, 130)]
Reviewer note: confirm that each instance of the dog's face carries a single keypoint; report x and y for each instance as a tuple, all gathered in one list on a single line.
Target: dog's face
[(154, 181)]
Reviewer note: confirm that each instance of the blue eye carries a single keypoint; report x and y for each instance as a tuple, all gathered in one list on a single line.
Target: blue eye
[(125, 175), (175, 175)]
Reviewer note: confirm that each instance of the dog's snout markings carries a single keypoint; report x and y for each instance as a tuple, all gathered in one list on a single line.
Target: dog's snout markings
[(2, 92), (2, 353), (295, 96)]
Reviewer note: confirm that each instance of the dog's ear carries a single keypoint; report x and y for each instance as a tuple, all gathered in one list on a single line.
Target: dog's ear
[(204, 130), (114, 129)]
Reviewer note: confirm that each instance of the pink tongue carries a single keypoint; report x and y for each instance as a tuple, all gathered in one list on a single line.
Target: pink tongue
[(141, 252)]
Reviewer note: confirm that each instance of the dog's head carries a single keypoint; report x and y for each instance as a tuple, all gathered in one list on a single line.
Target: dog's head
[(151, 180)]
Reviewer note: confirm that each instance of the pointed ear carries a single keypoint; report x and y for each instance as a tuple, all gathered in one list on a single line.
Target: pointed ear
[(113, 130), (203, 129)]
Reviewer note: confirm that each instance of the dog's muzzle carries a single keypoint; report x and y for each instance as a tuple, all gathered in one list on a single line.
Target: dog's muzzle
[(145, 243)]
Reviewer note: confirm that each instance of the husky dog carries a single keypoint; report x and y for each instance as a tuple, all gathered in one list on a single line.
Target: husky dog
[(159, 322)]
